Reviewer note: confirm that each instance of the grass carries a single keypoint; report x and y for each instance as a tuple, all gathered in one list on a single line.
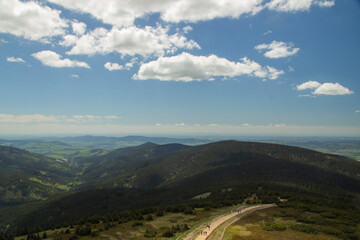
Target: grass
[(130, 231), (253, 226)]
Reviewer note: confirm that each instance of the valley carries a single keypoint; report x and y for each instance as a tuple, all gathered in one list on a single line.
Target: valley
[(114, 192)]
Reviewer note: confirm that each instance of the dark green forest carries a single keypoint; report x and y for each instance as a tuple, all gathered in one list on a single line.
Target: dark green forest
[(38, 192)]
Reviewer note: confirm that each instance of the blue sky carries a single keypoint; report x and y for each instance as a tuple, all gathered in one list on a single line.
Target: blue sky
[(249, 67)]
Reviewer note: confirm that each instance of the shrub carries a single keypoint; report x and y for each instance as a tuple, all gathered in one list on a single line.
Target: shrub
[(168, 233), (135, 224), (274, 227), (305, 228), (150, 234)]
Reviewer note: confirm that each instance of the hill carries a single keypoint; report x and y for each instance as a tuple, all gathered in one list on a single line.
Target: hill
[(169, 165), (26, 176), (153, 175), (120, 162)]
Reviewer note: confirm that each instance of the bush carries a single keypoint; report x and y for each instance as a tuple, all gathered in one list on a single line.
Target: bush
[(186, 227), (274, 227), (160, 213), (83, 230), (73, 237), (94, 233), (305, 228), (135, 224), (188, 210), (168, 233), (150, 234)]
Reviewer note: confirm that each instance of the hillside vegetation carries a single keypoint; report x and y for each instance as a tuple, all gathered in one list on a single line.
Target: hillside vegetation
[(175, 176)]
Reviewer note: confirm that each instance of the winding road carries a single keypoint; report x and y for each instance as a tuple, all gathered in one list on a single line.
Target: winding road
[(204, 231)]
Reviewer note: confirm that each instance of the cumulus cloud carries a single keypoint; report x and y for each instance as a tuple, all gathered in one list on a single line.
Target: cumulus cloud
[(325, 3), (69, 40), (129, 41), (79, 28), (30, 20), (332, 89), (187, 29), (17, 60), (201, 10), (52, 59), (186, 67), (277, 49), (115, 12), (297, 5), (289, 5), (325, 88), (308, 85), (113, 66), (123, 13)]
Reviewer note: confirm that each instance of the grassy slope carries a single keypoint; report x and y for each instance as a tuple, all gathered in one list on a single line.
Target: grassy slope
[(252, 226)]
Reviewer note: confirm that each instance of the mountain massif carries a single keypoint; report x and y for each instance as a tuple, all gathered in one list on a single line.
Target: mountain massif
[(153, 174)]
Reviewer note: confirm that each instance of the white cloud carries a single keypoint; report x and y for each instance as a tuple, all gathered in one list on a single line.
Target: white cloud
[(186, 67), (116, 12), (13, 59), (201, 10), (187, 29), (34, 118), (30, 20), (130, 41), (69, 40), (79, 28), (267, 32), (3, 41), (52, 59), (113, 66), (277, 49), (332, 89), (111, 117), (297, 5), (289, 5), (357, 111), (308, 85), (39, 118), (75, 76), (123, 13), (325, 88), (325, 3)]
